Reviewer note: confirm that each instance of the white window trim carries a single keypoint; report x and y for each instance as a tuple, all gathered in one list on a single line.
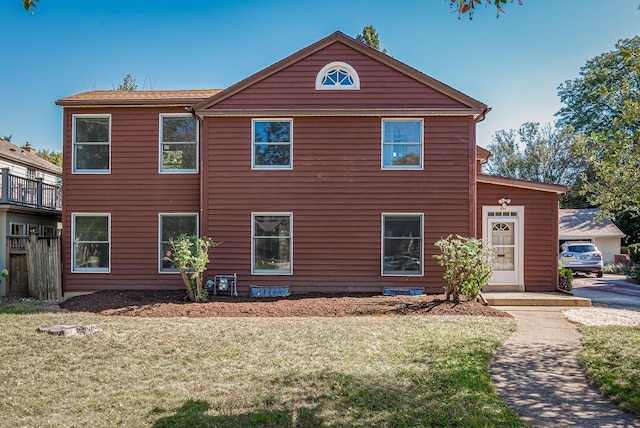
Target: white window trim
[(385, 214), (160, 215), (73, 146), (338, 65), (160, 150), (51, 228), (519, 209), (24, 228), (253, 225), (421, 142), (253, 144), (73, 230)]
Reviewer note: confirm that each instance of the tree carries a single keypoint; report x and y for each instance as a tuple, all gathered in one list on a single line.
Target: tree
[(30, 4), (191, 255), (601, 92), (51, 155), (369, 37), (128, 84), (615, 156), (551, 154), (469, 6), (8, 137), (467, 263), (603, 104)]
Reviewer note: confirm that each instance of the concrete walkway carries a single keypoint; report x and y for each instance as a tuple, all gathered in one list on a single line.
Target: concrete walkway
[(537, 374)]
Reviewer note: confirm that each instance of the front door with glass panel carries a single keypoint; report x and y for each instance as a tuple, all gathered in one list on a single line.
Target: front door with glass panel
[(503, 236)]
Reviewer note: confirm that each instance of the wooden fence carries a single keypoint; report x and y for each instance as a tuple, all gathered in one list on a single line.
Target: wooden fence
[(44, 268)]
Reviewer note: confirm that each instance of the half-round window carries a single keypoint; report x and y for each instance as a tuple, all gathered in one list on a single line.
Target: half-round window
[(337, 76)]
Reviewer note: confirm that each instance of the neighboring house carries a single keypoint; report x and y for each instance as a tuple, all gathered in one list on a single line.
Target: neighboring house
[(581, 225), (333, 170), (30, 203)]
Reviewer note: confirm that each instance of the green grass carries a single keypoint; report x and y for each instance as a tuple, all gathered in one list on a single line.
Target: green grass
[(22, 307), (610, 359), (252, 372)]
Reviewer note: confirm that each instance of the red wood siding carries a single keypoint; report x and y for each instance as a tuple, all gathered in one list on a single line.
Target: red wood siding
[(380, 87), (134, 193), (337, 193), (540, 231)]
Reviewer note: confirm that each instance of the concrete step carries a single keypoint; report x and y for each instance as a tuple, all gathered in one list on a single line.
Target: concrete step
[(534, 299)]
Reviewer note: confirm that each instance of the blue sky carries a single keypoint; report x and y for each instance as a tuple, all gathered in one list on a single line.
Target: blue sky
[(514, 63)]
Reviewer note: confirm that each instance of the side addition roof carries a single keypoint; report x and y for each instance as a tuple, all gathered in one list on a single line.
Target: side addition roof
[(581, 223), (471, 105), (137, 98), (23, 156), (523, 184)]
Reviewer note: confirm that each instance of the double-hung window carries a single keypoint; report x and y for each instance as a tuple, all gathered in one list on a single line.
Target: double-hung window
[(178, 143), (92, 143), (18, 229), (91, 248), (402, 244), (272, 243), (171, 227), (272, 141), (402, 143)]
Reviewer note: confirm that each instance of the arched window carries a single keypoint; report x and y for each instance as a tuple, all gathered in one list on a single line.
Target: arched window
[(337, 76)]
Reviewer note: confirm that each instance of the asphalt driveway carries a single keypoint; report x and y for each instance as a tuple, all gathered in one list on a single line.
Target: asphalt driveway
[(613, 291)]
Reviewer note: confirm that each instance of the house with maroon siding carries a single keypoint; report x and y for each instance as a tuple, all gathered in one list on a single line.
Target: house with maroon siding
[(334, 170)]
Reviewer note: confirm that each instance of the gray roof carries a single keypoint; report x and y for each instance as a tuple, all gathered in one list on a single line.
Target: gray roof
[(580, 223), (21, 155)]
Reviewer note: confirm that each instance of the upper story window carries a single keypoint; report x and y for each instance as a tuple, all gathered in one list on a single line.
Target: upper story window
[(178, 143), (402, 143), (337, 76), (272, 143), (91, 143), (31, 174)]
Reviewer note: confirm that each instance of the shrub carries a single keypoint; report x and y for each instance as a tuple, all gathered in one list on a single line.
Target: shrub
[(565, 279), (617, 268), (634, 252), (191, 255), (467, 263), (624, 249)]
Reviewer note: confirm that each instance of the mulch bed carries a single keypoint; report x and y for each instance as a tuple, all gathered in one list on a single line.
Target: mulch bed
[(172, 304)]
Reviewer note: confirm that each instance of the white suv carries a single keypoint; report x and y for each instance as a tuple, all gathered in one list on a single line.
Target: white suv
[(581, 257)]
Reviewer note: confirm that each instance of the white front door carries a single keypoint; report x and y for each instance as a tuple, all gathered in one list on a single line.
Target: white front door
[(503, 236)]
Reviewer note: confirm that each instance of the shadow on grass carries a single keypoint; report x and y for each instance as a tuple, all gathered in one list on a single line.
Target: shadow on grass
[(193, 414), (442, 396)]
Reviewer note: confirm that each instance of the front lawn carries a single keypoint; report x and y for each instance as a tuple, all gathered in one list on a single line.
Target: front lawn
[(610, 359), (172, 372)]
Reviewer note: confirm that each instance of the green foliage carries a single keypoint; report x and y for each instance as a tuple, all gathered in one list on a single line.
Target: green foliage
[(369, 37), (469, 6), (22, 307), (51, 155), (610, 359), (128, 84), (467, 263), (191, 256), (30, 4), (603, 104), (617, 268), (565, 279), (634, 252), (8, 137), (552, 154)]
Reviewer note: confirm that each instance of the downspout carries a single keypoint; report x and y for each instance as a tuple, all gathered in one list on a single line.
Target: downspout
[(202, 225)]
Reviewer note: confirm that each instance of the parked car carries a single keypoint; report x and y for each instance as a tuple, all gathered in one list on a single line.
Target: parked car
[(581, 257)]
